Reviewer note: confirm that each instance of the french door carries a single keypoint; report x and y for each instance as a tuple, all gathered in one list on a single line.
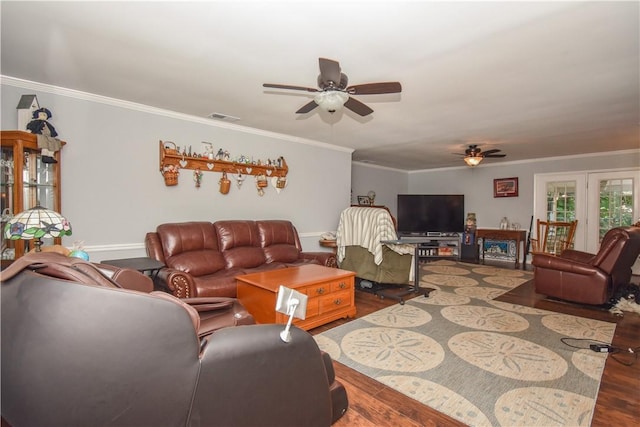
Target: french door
[(598, 200), (616, 203), (562, 197)]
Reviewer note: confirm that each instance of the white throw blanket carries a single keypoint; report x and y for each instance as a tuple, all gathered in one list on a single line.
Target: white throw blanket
[(367, 227)]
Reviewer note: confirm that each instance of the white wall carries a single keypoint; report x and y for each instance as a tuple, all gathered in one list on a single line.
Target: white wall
[(477, 183), (113, 192), (386, 183)]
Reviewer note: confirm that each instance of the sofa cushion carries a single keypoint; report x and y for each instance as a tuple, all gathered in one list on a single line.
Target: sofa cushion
[(238, 241), (220, 284), (279, 240), (197, 263), (191, 247)]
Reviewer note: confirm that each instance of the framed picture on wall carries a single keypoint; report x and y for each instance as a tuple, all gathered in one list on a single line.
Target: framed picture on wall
[(364, 201), (505, 187)]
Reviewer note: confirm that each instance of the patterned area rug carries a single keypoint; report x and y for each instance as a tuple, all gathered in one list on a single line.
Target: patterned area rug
[(480, 361)]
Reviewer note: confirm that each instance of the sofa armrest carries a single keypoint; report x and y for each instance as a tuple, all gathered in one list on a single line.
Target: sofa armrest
[(563, 264), (328, 259), (249, 376), (176, 282), (579, 256)]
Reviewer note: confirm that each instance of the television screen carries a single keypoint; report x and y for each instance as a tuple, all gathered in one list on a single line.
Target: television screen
[(423, 214)]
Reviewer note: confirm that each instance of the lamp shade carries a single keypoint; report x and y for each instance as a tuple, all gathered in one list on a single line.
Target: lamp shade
[(331, 100), (37, 223), (473, 160)]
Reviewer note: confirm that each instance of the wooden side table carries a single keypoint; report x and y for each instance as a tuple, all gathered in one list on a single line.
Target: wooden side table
[(518, 236), (333, 244), (143, 264)]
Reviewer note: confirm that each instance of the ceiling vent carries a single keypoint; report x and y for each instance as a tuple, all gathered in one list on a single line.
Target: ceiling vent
[(224, 117)]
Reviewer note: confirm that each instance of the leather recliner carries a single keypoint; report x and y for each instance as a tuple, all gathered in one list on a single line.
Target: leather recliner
[(587, 278), (77, 353)]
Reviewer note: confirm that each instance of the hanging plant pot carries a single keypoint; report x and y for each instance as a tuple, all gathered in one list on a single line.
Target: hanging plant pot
[(170, 174), (225, 183), (261, 181)]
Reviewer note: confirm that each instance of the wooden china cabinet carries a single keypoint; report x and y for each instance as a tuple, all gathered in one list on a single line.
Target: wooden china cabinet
[(25, 181)]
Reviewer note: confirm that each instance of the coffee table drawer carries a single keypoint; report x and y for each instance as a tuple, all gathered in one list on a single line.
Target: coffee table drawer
[(317, 290), (342, 285), (313, 308), (335, 301)]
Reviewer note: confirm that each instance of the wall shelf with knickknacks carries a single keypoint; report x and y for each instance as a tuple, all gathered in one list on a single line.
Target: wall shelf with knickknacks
[(172, 161)]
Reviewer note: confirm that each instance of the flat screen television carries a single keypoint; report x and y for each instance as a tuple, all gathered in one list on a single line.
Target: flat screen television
[(430, 214)]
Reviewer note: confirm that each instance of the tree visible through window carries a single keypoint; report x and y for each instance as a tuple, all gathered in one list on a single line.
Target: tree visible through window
[(616, 204), (561, 201)]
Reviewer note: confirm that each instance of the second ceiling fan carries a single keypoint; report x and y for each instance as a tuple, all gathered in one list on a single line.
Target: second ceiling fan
[(333, 92), (474, 155)]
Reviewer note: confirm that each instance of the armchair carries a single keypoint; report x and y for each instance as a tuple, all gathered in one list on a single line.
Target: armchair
[(76, 352), (589, 278), (553, 237), (360, 233)]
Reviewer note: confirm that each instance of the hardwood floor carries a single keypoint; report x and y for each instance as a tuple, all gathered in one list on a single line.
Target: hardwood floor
[(374, 404)]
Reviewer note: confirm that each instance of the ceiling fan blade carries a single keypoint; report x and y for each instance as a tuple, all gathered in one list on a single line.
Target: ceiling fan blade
[(375, 88), (307, 107), (330, 70), (278, 86), (357, 107), (490, 151), (493, 155)]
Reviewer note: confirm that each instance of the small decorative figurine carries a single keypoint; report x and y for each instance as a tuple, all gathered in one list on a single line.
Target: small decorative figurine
[(197, 177), (470, 225), (46, 134), (239, 179), (504, 224)]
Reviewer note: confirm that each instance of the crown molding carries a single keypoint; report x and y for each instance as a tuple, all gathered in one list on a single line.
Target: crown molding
[(505, 163), (86, 96)]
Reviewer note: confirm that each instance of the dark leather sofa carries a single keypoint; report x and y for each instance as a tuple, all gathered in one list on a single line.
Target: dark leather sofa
[(203, 258), (587, 278), (81, 351)]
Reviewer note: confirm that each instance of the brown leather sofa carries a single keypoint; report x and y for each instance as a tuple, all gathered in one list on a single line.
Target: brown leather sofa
[(589, 278), (86, 351), (202, 258)]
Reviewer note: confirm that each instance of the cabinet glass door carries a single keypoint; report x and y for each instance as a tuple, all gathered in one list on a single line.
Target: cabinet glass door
[(38, 182), (7, 203)]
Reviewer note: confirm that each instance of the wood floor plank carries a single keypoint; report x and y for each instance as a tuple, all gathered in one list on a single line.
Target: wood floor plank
[(618, 402)]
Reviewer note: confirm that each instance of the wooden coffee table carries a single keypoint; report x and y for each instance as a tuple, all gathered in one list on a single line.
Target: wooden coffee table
[(330, 292)]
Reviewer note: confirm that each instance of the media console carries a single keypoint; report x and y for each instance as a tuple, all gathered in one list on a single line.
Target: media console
[(439, 247), (435, 245)]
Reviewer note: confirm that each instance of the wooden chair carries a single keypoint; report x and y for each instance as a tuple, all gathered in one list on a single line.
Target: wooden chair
[(553, 236)]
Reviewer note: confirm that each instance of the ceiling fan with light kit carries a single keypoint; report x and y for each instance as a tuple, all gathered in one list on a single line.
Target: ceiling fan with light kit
[(333, 93), (474, 155)]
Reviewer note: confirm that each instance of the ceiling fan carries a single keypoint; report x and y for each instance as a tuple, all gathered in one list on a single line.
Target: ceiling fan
[(333, 92), (474, 155)]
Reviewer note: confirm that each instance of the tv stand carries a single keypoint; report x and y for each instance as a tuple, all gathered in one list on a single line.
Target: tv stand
[(442, 246)]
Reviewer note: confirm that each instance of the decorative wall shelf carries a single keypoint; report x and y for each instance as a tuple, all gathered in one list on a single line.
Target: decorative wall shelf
[(171, 161)]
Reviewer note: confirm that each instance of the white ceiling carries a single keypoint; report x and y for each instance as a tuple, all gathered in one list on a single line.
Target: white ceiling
[(534, 79)]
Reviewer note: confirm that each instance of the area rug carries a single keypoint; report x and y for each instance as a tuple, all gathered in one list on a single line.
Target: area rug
[(480, 361)]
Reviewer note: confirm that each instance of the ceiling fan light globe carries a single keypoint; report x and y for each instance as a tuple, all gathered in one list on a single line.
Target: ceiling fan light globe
[(331, 101), (473, 160)]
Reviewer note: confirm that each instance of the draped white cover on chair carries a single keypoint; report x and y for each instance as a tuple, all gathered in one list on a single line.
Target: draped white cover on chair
[(367, 227)]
